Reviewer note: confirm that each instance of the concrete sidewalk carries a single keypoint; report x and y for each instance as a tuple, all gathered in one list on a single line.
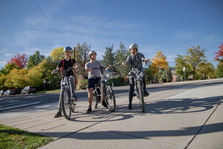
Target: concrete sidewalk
[(182, 118)]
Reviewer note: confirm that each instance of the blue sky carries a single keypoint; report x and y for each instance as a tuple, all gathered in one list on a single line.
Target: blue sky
[(171, 26)]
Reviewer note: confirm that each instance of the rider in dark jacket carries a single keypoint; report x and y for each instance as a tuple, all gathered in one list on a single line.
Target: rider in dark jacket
[(135, 60)]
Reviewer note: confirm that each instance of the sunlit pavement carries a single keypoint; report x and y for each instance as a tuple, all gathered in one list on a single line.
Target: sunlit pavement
[(184, 117)]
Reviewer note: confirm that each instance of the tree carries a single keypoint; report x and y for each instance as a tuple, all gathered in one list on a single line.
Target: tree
[(182, 68), (219, 70), (109, 57), (195, 56), (159, 62), (205, 71), (35, 59), (82, 57), (120, 56), (16, 81), (20, 61), (8, 67), (57, 54), (219, 54)]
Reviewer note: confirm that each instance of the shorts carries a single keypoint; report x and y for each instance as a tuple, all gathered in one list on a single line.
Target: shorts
[(93, 81)]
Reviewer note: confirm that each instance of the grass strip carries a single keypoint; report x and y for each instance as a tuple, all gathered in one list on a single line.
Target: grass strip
[(14, 138)]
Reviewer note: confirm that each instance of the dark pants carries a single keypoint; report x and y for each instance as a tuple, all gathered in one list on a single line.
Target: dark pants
[(131, 85)]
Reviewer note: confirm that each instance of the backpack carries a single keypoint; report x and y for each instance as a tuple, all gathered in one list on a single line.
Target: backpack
[(61, 69)]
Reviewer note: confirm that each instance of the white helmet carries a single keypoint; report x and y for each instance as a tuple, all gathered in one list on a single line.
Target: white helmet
[(133, 46), (91, 52), (67, 49)]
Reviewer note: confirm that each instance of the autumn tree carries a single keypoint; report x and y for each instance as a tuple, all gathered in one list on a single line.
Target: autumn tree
[(35, 59), (120, 56), (219, 54), (16, 81), (57, 54), (159, 62), (19, 60)]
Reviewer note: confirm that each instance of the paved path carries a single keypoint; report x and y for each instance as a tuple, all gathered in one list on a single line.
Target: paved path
[(186, 117)]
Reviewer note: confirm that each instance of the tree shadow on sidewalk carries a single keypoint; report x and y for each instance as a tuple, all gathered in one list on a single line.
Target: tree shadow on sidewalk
[(116, 135), (186, 105)]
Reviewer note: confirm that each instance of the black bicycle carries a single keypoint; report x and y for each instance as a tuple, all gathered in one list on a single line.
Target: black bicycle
[(67, 104), (104, 91), (139, 85)]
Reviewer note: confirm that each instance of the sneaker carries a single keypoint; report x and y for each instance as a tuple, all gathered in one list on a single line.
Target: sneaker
[(59, 114), (130, 107), (89, 110), (104, 104), (74, 98), (146, 94)]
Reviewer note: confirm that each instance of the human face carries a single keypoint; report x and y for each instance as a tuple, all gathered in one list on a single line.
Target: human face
[(68, 53), (93, 56), (133, 51)]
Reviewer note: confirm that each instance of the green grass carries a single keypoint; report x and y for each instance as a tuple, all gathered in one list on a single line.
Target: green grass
[(14, 138)]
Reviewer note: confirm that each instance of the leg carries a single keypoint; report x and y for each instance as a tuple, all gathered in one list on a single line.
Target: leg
[(90, 96), (131, 90), (72, 86)]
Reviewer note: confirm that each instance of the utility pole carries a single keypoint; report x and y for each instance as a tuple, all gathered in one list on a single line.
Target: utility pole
[(75, 78)]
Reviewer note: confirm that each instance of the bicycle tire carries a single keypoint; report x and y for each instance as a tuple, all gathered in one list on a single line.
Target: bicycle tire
[(95, 101), (140, 95), (66, 104), (110, 98)]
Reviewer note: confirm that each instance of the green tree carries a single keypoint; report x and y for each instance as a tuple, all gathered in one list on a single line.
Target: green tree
[(195, 56), (182, 67), (219, 70), (109, 57), (35, 59), (120, 56), (82, 57)]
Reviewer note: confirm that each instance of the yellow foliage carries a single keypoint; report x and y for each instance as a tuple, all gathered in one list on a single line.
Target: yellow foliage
[(159, 62), (57, 54), (16, 78), (34, 76)]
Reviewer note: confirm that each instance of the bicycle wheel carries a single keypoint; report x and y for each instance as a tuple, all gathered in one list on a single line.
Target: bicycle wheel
[(66, 104), (140, 94), (110, 98)]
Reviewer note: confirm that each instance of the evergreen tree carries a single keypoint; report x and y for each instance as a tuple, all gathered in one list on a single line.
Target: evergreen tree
[(121, 55), (109, 58), (35, 59)]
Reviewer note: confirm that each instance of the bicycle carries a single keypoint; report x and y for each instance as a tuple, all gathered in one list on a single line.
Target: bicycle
[(139, 85), (67, 104), (103, 87)]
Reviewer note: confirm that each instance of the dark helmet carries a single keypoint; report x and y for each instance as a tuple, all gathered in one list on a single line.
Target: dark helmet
[(67, 49)]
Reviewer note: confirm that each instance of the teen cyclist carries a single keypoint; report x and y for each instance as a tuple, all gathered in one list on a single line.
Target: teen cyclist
[(135, 60), (65, 64), (94, 76)]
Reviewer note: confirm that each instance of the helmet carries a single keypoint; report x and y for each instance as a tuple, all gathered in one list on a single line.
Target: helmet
[(91, 52), (133, 46), (68, 49)]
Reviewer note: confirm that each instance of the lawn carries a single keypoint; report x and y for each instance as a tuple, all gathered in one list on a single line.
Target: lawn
[(14, 138)]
